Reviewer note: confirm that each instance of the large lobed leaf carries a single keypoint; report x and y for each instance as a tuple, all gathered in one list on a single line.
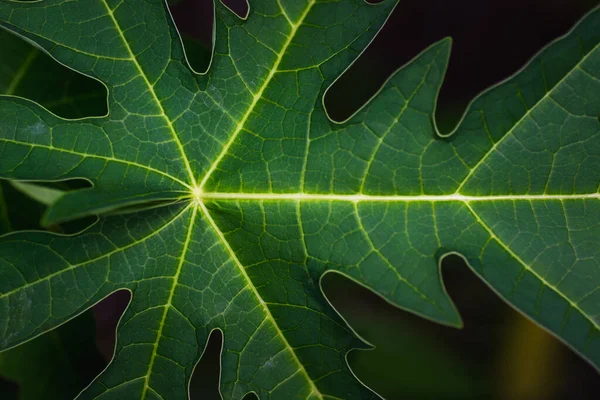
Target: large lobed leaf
[(246, 192)]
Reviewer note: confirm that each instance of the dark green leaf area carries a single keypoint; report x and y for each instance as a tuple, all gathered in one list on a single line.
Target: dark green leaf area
[(224, 197)]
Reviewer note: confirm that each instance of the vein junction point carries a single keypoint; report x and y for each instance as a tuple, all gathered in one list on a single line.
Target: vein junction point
[(197, 195)]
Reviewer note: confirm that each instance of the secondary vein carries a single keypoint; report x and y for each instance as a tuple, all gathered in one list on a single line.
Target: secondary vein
[(266, 310), (258, 95), (97, 156), (161, 326), (518, 123), (153, 93), (555, 289), (110, 253)]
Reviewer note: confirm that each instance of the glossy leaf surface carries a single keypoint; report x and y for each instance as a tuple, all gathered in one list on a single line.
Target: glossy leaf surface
[(246, 192)]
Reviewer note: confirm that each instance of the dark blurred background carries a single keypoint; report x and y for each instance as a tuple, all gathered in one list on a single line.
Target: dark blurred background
[(499, 354)]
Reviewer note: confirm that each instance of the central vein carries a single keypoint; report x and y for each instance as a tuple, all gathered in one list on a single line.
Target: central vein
[(201, 196)]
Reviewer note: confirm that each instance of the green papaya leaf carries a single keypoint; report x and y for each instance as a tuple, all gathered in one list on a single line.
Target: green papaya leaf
[(245, 192)]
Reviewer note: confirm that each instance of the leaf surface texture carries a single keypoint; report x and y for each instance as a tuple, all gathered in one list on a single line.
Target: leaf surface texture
[(246, 192)]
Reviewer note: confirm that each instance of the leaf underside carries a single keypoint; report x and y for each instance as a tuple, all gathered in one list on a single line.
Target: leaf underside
[(246, 193)]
